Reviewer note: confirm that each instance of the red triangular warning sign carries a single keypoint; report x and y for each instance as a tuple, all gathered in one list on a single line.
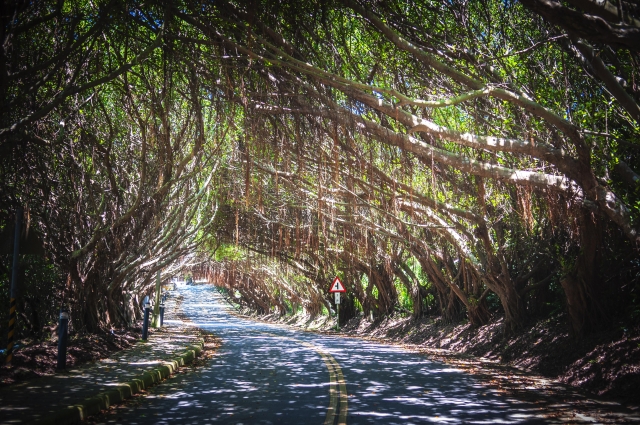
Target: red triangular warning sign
[(337, 286)]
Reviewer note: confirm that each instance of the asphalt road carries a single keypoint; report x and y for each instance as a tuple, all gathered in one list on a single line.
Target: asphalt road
[(269, 374)]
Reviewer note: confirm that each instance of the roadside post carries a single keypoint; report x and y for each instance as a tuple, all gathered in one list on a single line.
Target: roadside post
[(145, 323), (14, 285), (162, 312), (337, 300), (155, 321), (337, 288), (63, 336)]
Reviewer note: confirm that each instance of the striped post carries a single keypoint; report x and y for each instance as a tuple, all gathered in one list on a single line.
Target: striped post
[(12, 327), (14, 286)]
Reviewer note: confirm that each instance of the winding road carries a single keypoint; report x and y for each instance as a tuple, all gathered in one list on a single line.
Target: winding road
[(270, 374)]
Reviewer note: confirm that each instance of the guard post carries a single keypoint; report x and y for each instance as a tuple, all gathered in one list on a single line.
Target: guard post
[(162, 312), (145, 323), (14, 285), (162, 301), (63, 336)]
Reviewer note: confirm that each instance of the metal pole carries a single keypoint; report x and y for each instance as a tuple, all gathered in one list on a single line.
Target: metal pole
[(145, 324), (156, 305), (337, 300), (14, 285), (63, 335)]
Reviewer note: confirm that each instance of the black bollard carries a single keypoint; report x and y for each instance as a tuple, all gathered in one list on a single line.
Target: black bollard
[(161, 314), (63, 335), (145, 324)]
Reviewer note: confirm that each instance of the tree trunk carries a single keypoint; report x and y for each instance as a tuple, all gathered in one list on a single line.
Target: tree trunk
[(347, 309), (579, 285), (514, 311), (478, 314)]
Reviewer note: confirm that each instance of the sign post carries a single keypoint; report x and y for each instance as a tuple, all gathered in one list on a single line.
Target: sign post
[(336, 288)]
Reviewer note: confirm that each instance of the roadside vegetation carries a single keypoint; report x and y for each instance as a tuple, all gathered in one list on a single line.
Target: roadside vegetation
[(467, 161)]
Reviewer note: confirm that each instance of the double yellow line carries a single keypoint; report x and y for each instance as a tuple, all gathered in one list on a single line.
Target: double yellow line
[(337, 387), (337, 409)]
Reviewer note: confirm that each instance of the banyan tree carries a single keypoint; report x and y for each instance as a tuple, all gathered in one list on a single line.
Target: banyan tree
[(451, 158)]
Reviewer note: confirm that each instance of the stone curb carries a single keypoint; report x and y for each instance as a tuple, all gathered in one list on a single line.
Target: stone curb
[(93, 405)]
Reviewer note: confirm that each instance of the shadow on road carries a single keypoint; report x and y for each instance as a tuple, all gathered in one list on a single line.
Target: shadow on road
[(271, 374)]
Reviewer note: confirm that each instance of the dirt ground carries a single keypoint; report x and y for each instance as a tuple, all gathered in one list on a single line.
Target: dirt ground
[(38, 358)]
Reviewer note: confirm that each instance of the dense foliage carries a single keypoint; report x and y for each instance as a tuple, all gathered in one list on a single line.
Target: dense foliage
[(453, 158)]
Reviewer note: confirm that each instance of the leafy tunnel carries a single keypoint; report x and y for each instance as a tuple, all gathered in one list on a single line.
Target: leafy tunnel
[(457, 159)]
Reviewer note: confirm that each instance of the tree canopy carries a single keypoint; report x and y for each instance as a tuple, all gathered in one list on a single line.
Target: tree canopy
[(443, 157)]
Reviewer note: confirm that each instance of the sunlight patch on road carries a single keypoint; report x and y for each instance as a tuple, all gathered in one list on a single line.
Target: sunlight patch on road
[(337, 409)]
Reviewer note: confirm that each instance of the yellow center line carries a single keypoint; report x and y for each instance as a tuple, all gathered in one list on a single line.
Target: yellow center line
[(342, 419), (339, 377), (333, 396), (335, 377), (337, 383)]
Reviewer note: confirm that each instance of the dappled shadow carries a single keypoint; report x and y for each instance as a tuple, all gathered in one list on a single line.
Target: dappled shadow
[(254, 378), (265, 374), (251, 380), (390, 385), (263, 381), (40, 398)]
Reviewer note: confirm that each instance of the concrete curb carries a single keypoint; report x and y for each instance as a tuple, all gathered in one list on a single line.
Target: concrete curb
[(93, 405)]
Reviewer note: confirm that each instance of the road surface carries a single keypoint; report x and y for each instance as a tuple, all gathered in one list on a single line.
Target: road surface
[(270, 374)]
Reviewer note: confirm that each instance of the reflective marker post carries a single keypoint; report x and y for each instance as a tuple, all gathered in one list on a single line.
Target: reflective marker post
[(63, 335), (161, 314), (14, 285), (145, 323), (162, 301)]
